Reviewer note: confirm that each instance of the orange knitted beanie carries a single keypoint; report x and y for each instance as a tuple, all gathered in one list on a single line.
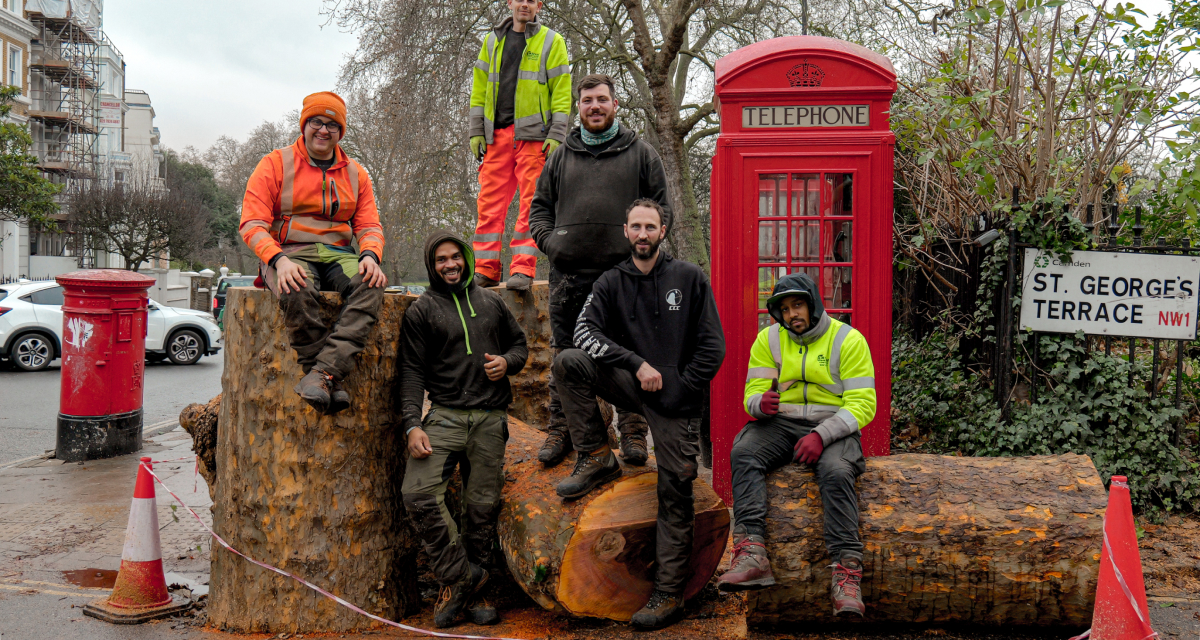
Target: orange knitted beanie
[(327, 104)]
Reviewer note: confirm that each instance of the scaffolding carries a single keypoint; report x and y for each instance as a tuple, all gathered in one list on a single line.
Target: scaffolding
[(65, 65)]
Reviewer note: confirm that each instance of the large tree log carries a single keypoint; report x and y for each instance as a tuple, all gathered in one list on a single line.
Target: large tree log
[(1012, 541), (531, 387), (314, 495), (593, 557)]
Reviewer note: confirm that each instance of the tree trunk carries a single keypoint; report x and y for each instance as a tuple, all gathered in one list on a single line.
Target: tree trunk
[(531, 387), (1013, 541), (200, 422), (593, 557), (316, 496)]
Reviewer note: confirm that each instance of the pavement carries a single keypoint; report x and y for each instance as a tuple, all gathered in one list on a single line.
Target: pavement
[(29, 401)]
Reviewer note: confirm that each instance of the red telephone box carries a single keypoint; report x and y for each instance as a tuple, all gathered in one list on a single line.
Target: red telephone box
[(802, 182)]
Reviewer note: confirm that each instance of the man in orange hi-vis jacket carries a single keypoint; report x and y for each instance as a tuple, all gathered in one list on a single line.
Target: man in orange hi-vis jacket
[(309, 215)]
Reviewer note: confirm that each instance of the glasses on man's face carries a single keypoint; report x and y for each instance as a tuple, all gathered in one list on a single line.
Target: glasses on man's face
[(331, 126)]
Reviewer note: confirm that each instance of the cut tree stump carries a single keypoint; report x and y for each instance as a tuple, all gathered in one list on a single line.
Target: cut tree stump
[(316, 496), (1012, 541), (593, 557)]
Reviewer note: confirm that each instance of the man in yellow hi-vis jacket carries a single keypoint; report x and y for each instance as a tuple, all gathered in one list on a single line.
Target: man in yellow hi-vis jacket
[(520, 106), (811, 386)]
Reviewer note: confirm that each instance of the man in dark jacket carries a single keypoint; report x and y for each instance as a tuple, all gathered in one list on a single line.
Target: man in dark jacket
[(648, 341), (459, 342), (576, 219)]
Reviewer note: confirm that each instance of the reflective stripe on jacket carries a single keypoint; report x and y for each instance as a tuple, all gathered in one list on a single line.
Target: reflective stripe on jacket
[(542, 104), (290, 200), (828, 379)]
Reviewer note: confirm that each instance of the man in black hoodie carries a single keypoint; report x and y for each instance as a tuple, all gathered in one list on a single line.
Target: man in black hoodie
[(459, 342), (576, 219), (648, 341)]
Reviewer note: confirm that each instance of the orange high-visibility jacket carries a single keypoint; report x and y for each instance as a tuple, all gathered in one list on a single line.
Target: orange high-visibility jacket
[(289, 200)]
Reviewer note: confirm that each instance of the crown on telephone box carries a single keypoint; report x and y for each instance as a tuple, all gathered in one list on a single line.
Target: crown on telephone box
[(805, 75)]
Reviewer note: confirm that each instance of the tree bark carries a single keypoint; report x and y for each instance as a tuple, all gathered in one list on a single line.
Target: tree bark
[(593, 557), (531, 387), (200, 422), (316, 496), (1012, 541)]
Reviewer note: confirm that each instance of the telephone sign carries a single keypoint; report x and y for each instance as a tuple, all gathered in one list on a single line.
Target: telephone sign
[(802, 182)]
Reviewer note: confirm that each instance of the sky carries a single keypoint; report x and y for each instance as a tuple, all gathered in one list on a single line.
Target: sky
[(222, 67)]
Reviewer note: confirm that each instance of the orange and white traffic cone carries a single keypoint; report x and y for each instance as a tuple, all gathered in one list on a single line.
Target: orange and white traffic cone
[(140, 593), (1121, 612)]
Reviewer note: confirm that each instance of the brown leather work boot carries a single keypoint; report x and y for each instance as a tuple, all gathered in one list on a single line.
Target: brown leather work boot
[(555, 448), (590, 472), (484, 281), (847, 587), (661, 610), (457, 597), (339, 399), (315, 389), (750, 567), (633, 449)]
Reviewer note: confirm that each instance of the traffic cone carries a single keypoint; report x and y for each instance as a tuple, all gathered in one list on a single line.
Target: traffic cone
[(140, 593), (1121, 612)]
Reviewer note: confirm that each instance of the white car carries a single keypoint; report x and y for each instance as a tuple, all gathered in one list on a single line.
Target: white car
[(31, 324)]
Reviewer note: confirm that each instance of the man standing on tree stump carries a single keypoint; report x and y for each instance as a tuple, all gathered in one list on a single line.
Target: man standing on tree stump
[(520, 108), (648, 341), (306, 209), (459, 343), (811, 386), (577, 217)]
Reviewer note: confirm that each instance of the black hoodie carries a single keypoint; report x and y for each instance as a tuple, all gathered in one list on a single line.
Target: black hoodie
[(444, 336), (800, 284), (666, 317), (578, 210)]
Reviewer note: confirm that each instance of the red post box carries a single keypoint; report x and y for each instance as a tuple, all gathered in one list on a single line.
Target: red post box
[(103, 359), (802, 182)]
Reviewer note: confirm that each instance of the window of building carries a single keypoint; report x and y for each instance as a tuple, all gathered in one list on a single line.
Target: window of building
[(13, 5), (14, 67)]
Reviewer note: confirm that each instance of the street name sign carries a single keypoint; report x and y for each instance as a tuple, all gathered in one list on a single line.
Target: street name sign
[(1120, 294)]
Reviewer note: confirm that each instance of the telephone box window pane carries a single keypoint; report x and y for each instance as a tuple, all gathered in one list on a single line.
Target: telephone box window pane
[(841, 192), (842, 317), (772, 241), (806, 241), (806, 194), (813, 272), (767, 277), (770, 188), (839, 241), (765, 320), (836, 289)]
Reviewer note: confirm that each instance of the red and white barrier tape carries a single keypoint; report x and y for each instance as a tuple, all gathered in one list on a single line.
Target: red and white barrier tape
[(310, 585)]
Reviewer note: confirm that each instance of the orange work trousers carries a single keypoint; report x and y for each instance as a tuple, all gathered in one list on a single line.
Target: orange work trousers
[(509, 166)]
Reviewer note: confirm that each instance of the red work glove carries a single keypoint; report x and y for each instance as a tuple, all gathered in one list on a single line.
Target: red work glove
[(770, 400), (809, 449)]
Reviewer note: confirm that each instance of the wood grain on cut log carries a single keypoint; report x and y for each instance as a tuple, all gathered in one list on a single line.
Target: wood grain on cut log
[(1012, 541), (593, 557), (314, 495)]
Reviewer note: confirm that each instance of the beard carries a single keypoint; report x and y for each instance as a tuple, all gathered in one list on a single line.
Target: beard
[(608, 121), (451, 271), (644, 253)]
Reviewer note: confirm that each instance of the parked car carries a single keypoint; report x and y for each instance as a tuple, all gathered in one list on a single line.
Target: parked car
[(31, 322), (218, 309)]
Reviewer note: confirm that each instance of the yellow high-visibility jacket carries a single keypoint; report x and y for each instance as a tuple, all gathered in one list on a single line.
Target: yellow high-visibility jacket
[(542, 106), (826, 377)]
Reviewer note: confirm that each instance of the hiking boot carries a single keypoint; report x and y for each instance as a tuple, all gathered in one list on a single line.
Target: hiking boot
[(483, 612), (315, 389), (590, 472), (339, 399), (519, 282), (457, 596), (633, 449), (750, 567), (661, 610), (484, 281), (847, 587), (555, 448)]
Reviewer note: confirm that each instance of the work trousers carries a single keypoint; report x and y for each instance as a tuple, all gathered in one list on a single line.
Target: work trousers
[(568, 292), (472, 440), (766, 445), (676, 449), (331, 350), (508, 166)]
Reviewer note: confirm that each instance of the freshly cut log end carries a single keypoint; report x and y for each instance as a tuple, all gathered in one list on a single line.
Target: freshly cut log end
[(594, 557), (1013, 541)]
